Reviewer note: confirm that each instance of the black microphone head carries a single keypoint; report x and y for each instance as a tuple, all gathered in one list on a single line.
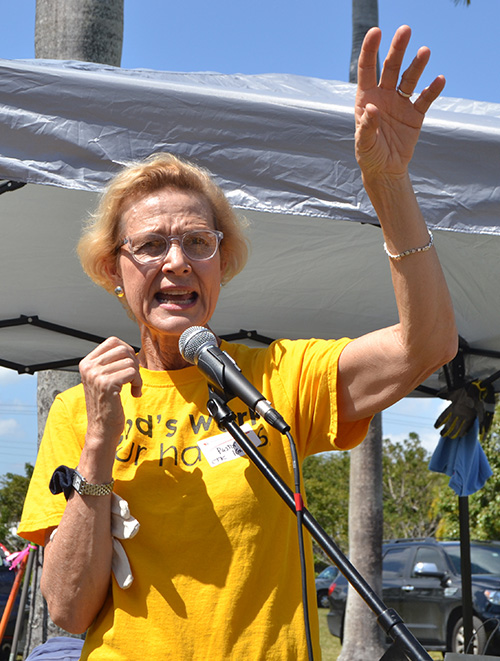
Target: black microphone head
[(192, 340)]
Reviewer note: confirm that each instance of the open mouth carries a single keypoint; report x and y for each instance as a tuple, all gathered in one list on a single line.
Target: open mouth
[(176, 298)]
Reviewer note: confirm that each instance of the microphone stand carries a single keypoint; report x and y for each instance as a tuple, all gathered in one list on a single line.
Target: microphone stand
[(405, 645)]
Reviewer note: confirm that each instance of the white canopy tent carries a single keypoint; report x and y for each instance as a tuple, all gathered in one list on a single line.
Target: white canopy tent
[(282, 148)]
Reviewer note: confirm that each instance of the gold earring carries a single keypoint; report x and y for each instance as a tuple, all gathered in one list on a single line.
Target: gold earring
[(119, 292)]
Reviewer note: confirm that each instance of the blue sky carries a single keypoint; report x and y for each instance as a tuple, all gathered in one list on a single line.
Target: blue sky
[(281, 36)]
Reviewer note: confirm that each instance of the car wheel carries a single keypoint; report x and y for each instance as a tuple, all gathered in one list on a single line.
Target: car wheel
[(478, 641), (323, 599)]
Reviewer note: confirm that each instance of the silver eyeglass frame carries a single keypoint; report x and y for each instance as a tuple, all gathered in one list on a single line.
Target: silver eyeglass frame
[(168, 244)]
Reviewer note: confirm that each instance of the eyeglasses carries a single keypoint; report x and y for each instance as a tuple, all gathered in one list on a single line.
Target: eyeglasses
[(150, 248)]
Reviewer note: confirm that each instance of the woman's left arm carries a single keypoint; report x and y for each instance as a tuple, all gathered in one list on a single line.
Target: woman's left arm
[(380, 368)]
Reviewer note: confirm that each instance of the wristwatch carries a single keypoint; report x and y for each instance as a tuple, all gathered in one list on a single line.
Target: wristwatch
[(84, 488)]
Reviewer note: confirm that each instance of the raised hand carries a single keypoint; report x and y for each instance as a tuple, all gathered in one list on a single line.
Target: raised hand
[(387, 121)]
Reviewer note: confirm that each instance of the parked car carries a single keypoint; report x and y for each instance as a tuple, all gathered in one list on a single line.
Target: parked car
[(323, 581), (421, 581)]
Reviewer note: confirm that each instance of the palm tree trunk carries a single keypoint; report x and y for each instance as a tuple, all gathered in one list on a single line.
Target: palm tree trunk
[(364, 17), (86, 30), (363, 637), (89, 31)]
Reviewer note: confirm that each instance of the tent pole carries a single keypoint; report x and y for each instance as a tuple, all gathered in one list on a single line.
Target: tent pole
[(465, 567)]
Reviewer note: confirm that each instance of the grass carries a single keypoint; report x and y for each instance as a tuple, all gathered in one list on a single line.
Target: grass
[(330, 645)]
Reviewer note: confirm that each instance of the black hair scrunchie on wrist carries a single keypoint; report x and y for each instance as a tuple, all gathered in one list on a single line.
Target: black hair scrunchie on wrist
[(62, 481)]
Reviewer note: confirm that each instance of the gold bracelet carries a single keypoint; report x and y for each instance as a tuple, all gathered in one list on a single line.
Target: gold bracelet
[(411, 251)]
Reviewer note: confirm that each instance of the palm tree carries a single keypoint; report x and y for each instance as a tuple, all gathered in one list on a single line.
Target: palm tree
[(89, 31), (365, 487), (364, 17), (86, 30), (363, 637)]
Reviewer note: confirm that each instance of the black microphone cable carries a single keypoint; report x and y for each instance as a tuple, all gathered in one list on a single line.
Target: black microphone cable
[(299, 511)]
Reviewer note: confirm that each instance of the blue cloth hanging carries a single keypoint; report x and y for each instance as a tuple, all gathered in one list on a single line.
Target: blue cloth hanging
[(59, 648), (463, 459)]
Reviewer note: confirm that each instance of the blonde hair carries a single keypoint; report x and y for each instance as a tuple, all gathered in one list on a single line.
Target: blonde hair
[(99, 244)]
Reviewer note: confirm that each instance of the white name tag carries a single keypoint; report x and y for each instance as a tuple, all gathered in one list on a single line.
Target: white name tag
[(223, 447)]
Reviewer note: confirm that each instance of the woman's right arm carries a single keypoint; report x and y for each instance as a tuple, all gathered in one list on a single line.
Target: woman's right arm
[(77, 561)]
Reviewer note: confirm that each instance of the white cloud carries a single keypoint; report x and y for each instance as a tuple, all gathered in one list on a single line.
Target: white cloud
[(414, 414), (8, 377), (9, 427)]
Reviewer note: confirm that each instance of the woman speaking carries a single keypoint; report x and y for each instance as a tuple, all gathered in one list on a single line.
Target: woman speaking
[(154, 545)]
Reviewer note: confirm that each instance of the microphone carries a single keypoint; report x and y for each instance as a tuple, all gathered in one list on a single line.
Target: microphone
[(198, 346)]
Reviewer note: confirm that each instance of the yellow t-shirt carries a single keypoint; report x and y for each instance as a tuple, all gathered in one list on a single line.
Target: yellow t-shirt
[(215, 562)]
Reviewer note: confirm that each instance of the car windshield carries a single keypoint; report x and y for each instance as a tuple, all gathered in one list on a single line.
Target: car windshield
[(329, 573), (484, 559)]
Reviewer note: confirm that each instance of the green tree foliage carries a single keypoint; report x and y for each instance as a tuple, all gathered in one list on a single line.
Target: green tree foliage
[(484, 505), (326, 482), (410, 493), (13, 490), (409, 490)]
